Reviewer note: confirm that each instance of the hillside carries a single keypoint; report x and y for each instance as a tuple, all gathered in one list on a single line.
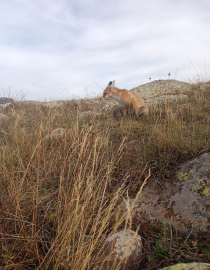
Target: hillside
[(73, 173)]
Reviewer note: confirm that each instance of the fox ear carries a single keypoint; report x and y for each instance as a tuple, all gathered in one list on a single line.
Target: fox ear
[(113, 84)]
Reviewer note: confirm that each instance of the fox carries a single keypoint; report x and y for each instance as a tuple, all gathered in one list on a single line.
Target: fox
[(128, 98)]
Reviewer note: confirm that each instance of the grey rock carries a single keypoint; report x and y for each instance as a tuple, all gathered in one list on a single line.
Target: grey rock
[(122, 249), (192, 202), (165, 99), (160, 88), (4, 106), (184, 204), (89, 113), (4, 100), (162, 91), (188, 266)]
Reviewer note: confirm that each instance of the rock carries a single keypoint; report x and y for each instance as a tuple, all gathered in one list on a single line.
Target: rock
[(192, 202), (160, 88), (161, 91), (123, 248), (89, 113), (57, 133), (165, 99), (5, 103), (188, 266), (4, 100), (109, 106), (184, 204), (4, 106)]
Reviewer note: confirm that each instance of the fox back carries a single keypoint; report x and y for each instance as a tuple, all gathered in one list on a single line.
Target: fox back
[(125, 97)]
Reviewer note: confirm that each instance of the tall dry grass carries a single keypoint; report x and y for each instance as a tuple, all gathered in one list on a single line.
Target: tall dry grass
[(59, 197), (56, 211)]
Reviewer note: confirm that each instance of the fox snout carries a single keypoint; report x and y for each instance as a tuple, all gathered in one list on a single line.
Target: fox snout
[(103, 97)]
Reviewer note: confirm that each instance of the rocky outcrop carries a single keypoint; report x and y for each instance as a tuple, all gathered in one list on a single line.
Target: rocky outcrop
[(160, 91), (122, 249), (5, 103), (188, 266), (184, 203)]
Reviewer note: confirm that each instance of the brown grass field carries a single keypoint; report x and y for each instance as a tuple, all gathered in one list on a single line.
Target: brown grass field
[(60, 197)]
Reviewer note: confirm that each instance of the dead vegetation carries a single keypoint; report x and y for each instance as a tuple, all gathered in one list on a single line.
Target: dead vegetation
[(59, 198)]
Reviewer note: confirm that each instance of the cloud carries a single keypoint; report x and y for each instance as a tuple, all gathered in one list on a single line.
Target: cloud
[(59, 48)]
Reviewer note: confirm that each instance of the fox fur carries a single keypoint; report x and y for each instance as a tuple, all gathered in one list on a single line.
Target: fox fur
[(128, 98)]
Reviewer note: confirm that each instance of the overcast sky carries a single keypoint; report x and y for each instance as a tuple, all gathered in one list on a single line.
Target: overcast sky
[(62, 48)]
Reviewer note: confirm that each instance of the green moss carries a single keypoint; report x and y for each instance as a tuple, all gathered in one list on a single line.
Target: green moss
[(183, 176), (206, 191), (196, 188)]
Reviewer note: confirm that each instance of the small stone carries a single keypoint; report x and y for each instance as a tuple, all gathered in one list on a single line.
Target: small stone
[(122, 249)]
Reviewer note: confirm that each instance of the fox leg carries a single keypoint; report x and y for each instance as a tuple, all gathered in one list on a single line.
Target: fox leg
[(126, 108), (135, 109)]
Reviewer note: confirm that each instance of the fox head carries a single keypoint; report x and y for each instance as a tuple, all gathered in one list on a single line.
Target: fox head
[(108, 90)]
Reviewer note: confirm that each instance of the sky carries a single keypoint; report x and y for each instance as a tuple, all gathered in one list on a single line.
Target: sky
[(65, 49)]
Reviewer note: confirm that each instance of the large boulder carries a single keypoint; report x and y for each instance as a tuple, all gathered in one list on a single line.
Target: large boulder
[(162, 91), (184, 204), (122, 249), (188, 266)]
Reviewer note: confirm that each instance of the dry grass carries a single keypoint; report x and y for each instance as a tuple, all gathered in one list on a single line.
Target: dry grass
[(59, 197)]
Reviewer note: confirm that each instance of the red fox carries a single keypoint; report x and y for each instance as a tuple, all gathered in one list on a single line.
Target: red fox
[(128, 98)]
